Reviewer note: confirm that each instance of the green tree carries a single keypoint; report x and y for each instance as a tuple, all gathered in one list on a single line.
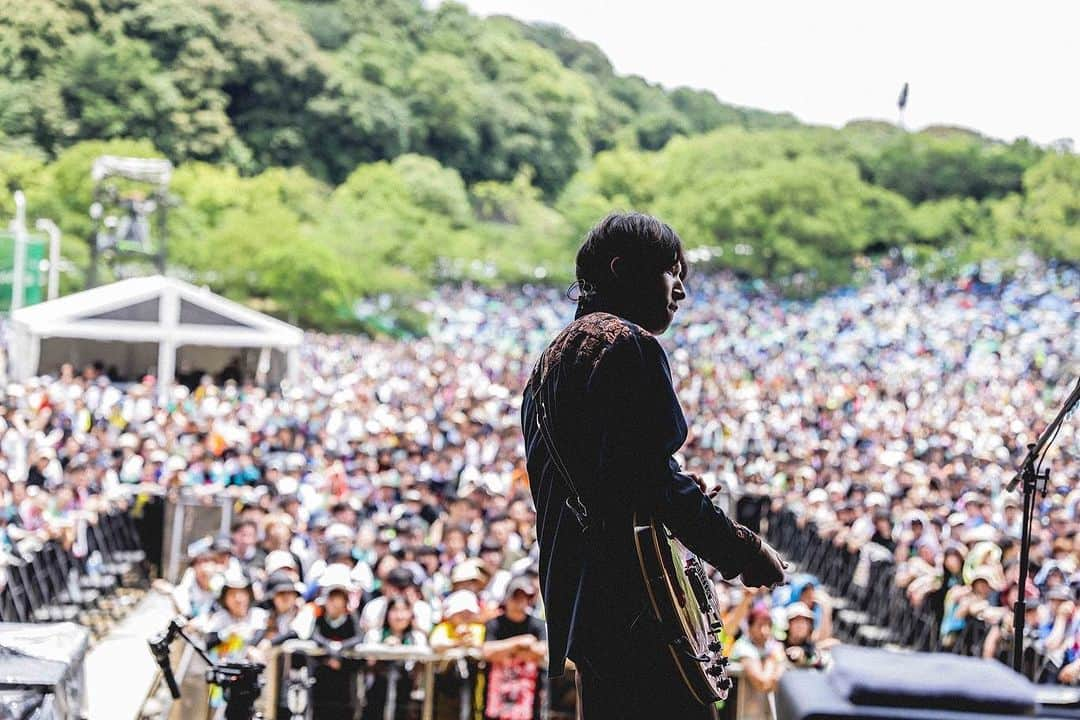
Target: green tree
[(113, 88), (935, 165), (1052, 206)]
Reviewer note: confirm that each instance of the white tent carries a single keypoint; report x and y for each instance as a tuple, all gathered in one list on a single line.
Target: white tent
[(149, 323)]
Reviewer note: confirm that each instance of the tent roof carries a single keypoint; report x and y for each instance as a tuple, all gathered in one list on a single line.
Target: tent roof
[(132, 310)]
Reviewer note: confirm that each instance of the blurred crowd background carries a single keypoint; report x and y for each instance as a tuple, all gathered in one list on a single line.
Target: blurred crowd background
[(384, 497)]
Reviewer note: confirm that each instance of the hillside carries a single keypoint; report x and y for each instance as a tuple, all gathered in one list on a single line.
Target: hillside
[(336, 148)]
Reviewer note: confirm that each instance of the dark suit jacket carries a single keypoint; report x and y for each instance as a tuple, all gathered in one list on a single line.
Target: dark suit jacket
[(617, 422)]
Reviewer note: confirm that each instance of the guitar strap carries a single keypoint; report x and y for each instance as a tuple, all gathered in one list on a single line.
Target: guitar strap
[(543, 422)]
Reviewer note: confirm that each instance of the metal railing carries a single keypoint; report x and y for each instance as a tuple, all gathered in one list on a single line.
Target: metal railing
[(426, 658)]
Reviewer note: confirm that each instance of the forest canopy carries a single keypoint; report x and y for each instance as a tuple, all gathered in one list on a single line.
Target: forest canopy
[(328, 150)]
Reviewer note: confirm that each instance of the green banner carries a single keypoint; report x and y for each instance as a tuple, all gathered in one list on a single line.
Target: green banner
[(35, 277)]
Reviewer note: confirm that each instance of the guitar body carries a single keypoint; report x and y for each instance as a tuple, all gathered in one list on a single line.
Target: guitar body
[(684, 604)]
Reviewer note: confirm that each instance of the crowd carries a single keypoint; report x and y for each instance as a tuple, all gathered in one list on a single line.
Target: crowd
[(384, 498)]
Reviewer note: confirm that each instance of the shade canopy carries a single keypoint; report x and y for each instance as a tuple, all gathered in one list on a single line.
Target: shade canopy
[(149, 324)]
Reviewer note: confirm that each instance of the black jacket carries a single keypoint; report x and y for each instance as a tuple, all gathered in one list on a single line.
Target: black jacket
[(616, 422)]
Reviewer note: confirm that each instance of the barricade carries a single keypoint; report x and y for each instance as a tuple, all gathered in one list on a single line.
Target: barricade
[(76, 574), (877, 612), (449, 683)]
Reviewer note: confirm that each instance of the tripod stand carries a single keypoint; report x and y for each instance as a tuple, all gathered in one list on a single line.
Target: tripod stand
[(240, 682)]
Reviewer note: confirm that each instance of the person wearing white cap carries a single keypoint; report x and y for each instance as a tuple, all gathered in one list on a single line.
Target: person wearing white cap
[(336, 577), (335, 629), (231, 631), (459, 626), (282, 561), (799, 646), (282, 596)]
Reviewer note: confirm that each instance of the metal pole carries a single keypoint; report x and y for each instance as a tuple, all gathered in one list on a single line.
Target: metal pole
[(428, 711), (18, 228), (1020, 606), (273, 682), (163, 228), (390, 708), (172, 574), (50, 227)]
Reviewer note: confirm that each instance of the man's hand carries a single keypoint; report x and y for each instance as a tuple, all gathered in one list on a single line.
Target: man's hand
[(764, 569), (701, 484)]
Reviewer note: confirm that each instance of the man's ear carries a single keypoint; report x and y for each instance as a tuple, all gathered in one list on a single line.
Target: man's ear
[(616, 267)]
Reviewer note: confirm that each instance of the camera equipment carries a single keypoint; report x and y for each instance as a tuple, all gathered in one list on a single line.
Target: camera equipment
[(240, 682)]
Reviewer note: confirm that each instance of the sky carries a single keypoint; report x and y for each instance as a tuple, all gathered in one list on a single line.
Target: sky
[(1007, 68)]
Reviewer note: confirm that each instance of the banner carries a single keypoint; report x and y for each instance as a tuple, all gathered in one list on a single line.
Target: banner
[(35, 278)]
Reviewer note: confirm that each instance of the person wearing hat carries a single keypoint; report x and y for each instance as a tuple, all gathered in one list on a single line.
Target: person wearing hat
[(282, 595), (799, 646), (232, 631), (964, 601), (286, 620), (515, 649), (468, 575), (806, 590), (282, 561), (460, 626), (335, 629)]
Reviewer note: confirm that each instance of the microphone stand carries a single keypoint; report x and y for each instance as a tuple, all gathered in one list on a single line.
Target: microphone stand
[(1033, 478)]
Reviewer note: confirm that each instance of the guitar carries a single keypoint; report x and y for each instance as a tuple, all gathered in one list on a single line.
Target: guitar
[(684, 603)]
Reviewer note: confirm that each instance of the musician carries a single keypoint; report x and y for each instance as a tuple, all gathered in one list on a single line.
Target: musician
[(615, 422)]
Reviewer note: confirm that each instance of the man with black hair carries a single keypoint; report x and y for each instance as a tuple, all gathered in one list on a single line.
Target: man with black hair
[(615, 420)]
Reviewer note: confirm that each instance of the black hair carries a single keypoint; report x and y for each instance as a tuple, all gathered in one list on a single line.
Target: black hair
[(644, 242), (393, 602), (242, 523), (400, 577)]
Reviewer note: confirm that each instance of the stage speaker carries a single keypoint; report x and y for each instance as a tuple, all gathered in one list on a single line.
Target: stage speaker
[(871, 683)]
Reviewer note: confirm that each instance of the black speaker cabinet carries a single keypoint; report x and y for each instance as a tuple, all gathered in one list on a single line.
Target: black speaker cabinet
[(870, 683)]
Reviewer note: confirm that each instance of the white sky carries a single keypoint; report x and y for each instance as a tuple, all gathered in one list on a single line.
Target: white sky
[(1004, 67)]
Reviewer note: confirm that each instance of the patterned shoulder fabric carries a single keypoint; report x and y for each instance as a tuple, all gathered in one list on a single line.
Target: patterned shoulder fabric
[(581, 344)]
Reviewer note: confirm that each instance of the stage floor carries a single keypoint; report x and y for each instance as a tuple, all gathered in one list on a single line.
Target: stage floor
[(120, 670)]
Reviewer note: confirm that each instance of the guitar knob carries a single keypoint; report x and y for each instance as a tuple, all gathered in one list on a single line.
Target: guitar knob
[(726, 684), (716, 646), (714, 670), (723, 660)]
